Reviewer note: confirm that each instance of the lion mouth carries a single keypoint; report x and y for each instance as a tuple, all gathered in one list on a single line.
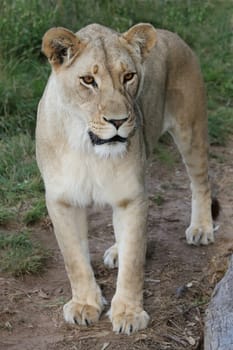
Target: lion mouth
[(98, 141)]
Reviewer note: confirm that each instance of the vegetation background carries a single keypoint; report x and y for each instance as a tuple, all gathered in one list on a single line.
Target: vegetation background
[(206, 25)]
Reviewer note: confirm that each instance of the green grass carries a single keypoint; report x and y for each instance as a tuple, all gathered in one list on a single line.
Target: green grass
[(6, 215), (19, 255), (21, 85), (158, 199), (21, 187), (36, 211), (221, 125), (164, 154)]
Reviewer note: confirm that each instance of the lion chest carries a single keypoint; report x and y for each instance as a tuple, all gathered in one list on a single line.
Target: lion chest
[(83, 180)]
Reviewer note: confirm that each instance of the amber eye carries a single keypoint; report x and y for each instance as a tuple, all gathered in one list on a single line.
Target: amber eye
[(128, 77), (88, 80)]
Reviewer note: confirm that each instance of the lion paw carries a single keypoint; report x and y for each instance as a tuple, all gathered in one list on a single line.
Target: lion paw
[(111, 257), (82, 314), (127, 319), (199, 235)]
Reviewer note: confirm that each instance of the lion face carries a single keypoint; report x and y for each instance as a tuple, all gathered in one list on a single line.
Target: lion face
[(98, 74)]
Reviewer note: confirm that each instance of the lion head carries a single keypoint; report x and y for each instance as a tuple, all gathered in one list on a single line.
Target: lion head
[(99, 74)]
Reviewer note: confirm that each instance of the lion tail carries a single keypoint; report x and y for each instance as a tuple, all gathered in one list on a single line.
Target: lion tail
[(215, 208)]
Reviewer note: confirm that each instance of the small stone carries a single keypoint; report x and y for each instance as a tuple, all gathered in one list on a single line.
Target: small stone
[(189, 285), (191, 340), (180, 292)]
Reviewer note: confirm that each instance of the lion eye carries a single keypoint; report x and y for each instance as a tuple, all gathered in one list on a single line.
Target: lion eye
[(128, 77), (89, 80)]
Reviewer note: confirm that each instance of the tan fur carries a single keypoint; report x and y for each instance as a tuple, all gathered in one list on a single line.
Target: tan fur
[(75, 118)]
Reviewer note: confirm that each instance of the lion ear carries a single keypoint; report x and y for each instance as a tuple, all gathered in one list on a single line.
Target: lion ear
[(142, 35), (60, 45)]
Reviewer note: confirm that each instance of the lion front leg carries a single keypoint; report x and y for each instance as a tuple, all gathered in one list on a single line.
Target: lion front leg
[(126, 313), (70, 227)]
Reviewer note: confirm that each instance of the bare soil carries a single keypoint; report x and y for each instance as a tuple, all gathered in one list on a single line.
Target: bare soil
[(179, 279)]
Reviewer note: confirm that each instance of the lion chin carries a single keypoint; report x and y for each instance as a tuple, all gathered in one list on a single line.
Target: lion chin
[(114, 150)]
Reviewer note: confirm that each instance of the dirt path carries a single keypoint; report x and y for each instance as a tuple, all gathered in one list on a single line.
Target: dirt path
[(31, 309)]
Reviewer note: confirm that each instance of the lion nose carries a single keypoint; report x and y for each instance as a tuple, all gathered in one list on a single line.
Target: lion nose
[(116, 122)]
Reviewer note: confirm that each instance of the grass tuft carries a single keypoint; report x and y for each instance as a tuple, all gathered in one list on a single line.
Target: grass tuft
[(20, 183), (19, 255), (220, 126), (36, 212), (158, 199), (6, 215), (164, 154)]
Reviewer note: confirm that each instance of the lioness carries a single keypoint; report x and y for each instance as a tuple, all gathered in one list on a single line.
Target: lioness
[(109, 98)]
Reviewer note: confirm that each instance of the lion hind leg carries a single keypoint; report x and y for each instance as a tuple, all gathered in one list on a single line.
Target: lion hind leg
[(111, 257), (193, 146)]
